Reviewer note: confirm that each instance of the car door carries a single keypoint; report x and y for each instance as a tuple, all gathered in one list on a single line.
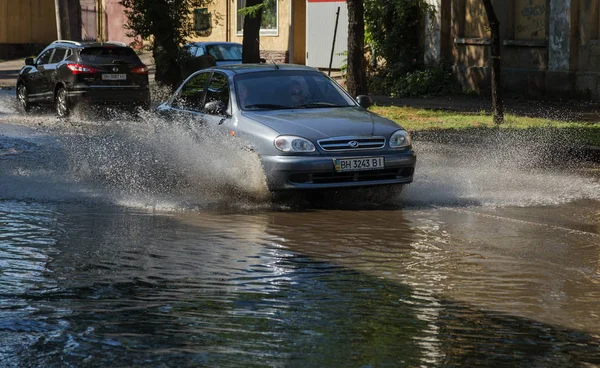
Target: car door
[(217, 105), (36, 86), (188, 100), (49, 71)]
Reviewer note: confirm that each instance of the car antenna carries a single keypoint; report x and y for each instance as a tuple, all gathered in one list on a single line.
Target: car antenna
[(270, 57)]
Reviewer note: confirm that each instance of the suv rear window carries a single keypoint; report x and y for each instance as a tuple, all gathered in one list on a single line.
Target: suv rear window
[(106, 55)]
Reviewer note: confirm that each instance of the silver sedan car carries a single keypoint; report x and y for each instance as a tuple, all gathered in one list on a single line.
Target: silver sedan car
[(308, 131)]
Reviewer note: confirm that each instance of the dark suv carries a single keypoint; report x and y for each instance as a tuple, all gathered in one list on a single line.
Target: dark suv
[(68, 72)]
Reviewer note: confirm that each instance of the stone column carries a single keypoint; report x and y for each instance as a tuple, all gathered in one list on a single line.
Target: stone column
[(433, 36), (560, 78)]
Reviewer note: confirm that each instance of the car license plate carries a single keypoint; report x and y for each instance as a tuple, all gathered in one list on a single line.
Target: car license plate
[(359, 164), (114, 76)]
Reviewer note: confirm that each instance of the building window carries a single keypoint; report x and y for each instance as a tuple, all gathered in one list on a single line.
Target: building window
[(202, 22), (268, 26), (531, 17), (476, 23)]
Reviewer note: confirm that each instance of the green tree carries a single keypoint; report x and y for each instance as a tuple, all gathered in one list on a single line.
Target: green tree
[(252, 12), (256, 14), (394, 29), (168, 24), (356, 80)]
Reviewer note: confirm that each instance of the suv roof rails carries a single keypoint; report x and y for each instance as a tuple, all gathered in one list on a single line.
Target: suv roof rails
[(117, 43), (68, 41)]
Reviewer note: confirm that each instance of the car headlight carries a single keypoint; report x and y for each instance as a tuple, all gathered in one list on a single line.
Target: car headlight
[(400, 139), (290, 143)]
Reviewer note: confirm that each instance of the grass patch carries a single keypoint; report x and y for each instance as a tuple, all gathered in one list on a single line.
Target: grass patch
[(416, 120)]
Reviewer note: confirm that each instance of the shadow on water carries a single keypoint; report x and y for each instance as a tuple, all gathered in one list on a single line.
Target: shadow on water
[(100, 286)]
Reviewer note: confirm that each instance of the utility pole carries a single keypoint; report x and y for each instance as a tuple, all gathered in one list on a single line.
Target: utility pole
[(58, 21), (63, 30), (496, 63)]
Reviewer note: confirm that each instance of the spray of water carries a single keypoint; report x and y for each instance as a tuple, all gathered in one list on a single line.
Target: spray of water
[(502, 169), (152, 157)]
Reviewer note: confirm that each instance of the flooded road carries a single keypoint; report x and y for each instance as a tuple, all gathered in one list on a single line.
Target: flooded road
[(127, 242)]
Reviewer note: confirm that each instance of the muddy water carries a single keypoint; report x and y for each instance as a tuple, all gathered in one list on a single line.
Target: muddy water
[(127, 242)]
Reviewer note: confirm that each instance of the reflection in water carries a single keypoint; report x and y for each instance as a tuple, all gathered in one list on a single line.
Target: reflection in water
[(106, 286)]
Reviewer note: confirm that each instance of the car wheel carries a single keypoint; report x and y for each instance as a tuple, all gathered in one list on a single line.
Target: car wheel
[(22, 95), (62, 103)]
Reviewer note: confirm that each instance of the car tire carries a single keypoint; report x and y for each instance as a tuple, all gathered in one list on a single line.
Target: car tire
[(63, 108), (22, 96)]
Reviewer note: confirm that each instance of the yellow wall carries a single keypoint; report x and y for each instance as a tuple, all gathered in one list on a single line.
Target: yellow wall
[(476, 24), (219, 32), (27, 21)]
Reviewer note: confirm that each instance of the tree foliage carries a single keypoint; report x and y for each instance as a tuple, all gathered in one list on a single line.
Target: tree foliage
[(168, 25), (393, 31)]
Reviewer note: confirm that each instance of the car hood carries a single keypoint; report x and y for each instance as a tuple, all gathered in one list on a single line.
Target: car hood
[(323, 122)]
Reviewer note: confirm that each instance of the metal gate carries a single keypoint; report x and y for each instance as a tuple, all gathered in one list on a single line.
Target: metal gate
[(320, 27)]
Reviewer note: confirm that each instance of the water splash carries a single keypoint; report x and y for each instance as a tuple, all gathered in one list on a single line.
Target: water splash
[(150, 156), (508, 170)]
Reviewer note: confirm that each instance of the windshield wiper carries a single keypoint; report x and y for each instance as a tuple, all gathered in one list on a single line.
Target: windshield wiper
[(321, 104), (266, 106)]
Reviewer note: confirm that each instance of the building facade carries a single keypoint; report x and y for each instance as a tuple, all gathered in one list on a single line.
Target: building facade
[(294, 31), (25, 25), (550, 48)]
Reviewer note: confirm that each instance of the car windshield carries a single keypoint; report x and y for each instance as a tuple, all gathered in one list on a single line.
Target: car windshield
[(283, 89), (225, 52), (107, 55)]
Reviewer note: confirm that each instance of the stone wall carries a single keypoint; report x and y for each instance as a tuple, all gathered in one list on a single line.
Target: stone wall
[(550, 48), (277, 56)]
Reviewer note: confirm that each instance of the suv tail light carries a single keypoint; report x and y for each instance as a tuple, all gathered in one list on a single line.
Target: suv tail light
[(140, 69), (81, 69)]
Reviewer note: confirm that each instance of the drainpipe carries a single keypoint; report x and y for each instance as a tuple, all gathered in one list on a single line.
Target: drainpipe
[(227, 35), (290, 58), (99, 21), (58, 27)]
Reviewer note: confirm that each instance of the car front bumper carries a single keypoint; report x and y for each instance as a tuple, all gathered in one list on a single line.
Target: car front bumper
[(318, 172)]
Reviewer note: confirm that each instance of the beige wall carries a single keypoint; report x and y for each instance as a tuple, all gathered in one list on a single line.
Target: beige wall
[(476, 24), (224, 24), (27, 21)]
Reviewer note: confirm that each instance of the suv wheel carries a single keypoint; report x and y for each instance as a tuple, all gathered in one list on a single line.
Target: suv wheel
[(22, 98), (62, 103)]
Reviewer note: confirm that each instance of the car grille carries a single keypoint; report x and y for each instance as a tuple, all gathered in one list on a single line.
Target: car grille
[(349, 177), (351, 143)]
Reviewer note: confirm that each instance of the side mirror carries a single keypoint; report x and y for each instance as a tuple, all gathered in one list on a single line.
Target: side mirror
[(29, 61), (364, 101), (215, 107)]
